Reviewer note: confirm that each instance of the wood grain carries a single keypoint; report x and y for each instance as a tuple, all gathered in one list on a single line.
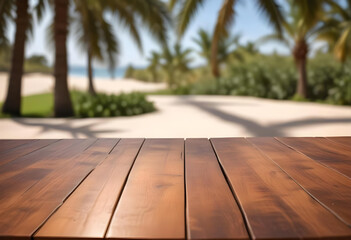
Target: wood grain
[(274, 205), (6, 145), (152, 203), (333, 155), (21, 174), (29, 211), (346, 141), (324, 184), (19, 151), (212, 212), (87, 212)]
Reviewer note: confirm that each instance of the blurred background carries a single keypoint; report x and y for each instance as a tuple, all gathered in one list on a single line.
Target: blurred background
[(177, 68)]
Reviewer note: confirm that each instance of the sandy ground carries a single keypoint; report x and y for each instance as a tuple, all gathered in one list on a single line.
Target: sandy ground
[(188, 116), (39, 83)]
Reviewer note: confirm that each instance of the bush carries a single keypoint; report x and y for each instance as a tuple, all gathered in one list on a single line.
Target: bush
[(341, 92), (276, 77), (251, 79), (103, 105)]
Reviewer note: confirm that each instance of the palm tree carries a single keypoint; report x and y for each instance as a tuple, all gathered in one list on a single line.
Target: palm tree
[(188, 9), (154, 64), (62, 99), (226, 47), (300, 29), (131, 13), (173, 61), (94, 32), (12, 103)]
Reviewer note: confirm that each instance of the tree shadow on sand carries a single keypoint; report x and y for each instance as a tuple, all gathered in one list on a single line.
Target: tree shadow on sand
[(255, 128), (66, 126)]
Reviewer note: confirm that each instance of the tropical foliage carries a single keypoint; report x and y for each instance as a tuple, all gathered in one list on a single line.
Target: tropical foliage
[(103, 105), (188, 9)]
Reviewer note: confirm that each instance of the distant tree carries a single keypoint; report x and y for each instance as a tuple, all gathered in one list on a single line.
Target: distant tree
[(95, 35), (154, 65), (300, 28), (226, 46), (250, 47), (129, 73), (225, 18), (38, 59), (175, 60)]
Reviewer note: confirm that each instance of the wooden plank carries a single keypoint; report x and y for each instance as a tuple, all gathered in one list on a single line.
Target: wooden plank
[(29, 211), (152, 203), (330, 188), (333, 155), (212, 212), (346, 141), (6, 145), (87, 212), (13, 153), (21, 174), (274, 205)]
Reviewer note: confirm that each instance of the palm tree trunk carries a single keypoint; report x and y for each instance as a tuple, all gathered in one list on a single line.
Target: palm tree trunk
[(90, 74), (300, 55), (302, 81), (63, 104), (12, 103), (214, 59)]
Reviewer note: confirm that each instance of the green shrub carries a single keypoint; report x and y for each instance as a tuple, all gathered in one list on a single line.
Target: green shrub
[(103, 105), (341, 92)]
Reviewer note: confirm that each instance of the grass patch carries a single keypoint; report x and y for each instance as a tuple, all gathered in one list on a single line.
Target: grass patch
[(39, 105), (103, 105)]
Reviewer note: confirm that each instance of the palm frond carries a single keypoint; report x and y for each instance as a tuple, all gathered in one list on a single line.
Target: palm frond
[(172, 4), (154, 15), (40, 8), (343, 44), (225, 19), (126, 17), (188, 10), (273, 12), (275, 37), (6, 15)]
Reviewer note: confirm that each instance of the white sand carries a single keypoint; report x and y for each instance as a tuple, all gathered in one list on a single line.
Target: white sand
[(40, 83), (188, 116)]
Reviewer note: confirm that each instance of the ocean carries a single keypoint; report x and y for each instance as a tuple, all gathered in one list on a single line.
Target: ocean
[(97, 72)]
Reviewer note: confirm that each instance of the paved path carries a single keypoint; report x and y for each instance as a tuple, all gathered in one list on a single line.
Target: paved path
[(197, 116)]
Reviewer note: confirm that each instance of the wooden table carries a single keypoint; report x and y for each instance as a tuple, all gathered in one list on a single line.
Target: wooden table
[(228, 188)]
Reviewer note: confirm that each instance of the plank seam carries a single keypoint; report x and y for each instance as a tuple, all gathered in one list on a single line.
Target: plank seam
[(72, 191), (323, 164), (246, 220), (122, 190), (310, 194), (78, 154), (62, 202), (185, 195)]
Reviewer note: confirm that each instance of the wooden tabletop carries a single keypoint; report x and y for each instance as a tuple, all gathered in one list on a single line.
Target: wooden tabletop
[(222, 188)]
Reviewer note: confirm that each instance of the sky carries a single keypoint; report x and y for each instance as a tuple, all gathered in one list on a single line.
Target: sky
[(249, 23)]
